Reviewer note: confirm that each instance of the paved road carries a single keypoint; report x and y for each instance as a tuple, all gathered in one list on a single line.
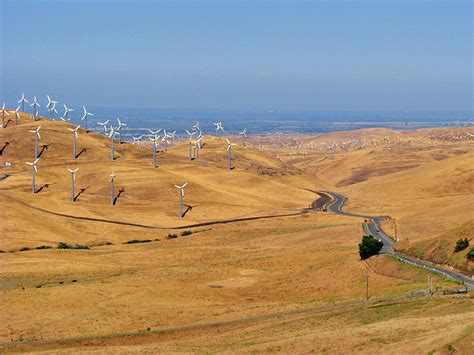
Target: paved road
[(372, 227)]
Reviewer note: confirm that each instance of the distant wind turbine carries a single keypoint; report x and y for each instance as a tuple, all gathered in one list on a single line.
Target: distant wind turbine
[(181, 195), (37, 138), (22, 102), (85, 116), (73, 183), (229, 155), (34, 170), (3, 114), (74, 130)]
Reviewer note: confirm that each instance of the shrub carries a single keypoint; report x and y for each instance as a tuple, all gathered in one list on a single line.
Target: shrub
[(135, 241), (25, 249), (171, 236), (461, 244), (43, 247), (63, 245), (369, 246), (470, 254), (185, 233)]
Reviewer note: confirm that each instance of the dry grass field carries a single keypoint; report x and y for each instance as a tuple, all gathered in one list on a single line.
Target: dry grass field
[(259, 273)]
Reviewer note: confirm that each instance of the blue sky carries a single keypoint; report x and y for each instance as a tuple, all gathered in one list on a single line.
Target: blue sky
[(258, 55)]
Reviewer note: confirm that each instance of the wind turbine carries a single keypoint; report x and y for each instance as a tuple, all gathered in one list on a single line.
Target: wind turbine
[(74, 130), (136, 140), (229, 151), (3, 114), (218, 127), (17, 115), (52, 110), (196, 127), (190, 135), (22, 102), (197, 147), (119, 129), (104, 125), (35, 105), (34, 170), (243, 134), (154, 139), (73, 180), (85, 115), (181, 194), (37, 137), (50, 102), (112, 188), (165, 139), (66, 112), (112, 141)]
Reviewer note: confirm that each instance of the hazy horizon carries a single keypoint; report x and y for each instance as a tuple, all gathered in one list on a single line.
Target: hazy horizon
[(390, 56)]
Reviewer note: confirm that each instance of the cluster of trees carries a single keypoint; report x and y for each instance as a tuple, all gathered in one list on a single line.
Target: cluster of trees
[(461, 244), (369, 246)]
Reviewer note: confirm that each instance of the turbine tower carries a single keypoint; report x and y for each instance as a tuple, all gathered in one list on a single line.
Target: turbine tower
[(74, 130), (85, 115), (37, 138), (229, 155), (3, 114), (190, 136), (181, 195), (34, 170), (243, 134), (112, 141), (154, 139), (66, 112), (22, 102), (112, 188), (119, 129), (35, 105), (136, 140), (17, 115), (73, 181)]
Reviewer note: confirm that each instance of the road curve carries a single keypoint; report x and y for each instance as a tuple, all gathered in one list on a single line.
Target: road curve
[(372, 227)]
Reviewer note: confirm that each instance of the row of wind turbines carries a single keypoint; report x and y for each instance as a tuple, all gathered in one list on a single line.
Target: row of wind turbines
[(194, 145)]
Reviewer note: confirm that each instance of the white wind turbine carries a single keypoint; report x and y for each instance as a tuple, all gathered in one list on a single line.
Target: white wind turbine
[(229, 155), (112, 133), (104, 125), (243, 134), (136, 140), (17, 115), (197, 147), (219, 127), (37, 138), (50, 102), (74, 130), (85, 116), (66, 112), (190, 135), (35, 105), (73, 183), (112, 188), (181, 195), (154, 139), (22, 102), (3, 114), (165, 139), (119, 129), (196, 127), (52, 110), (34, 170)]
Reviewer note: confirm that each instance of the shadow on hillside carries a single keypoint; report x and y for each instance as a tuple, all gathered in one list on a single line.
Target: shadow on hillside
[(43, 148), (122, 190), (4, 146), (45, 186), (81, 191), (83, 150), (188, 209)]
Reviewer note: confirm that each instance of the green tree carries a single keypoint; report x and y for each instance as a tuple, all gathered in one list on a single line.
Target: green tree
[(470, 254), (369, 246), (461, 244)]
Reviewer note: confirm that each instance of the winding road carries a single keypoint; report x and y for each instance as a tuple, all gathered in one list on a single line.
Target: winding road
[(372, 227)]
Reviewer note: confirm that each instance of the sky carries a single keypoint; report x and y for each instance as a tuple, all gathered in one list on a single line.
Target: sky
[(381, 55)]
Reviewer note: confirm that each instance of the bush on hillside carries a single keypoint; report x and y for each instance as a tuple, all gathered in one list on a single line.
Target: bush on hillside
[(63, 245), (135, 241), (470, 254), (185, 233), (461, 244), (369, 246)]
